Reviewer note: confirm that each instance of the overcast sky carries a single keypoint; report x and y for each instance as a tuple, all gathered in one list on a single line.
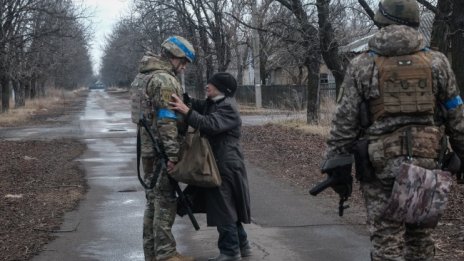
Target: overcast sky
[(105, 13)]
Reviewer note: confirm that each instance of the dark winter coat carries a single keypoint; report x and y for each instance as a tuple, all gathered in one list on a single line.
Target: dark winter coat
[(220, 122)]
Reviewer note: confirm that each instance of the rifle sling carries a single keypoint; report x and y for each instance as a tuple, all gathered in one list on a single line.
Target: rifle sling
[(139, 153)]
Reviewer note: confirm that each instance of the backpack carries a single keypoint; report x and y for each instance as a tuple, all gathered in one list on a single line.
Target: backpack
[(405, 86)]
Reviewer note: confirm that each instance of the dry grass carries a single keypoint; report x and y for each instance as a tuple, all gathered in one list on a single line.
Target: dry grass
[(251, 110), (326, 114), (53, 98), (116, 89)]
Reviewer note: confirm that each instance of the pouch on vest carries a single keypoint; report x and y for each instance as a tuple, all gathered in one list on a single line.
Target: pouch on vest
[(419, 196), (424, 143), (405, 86)]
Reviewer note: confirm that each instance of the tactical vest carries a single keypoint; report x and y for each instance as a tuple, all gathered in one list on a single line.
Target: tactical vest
[(405, 86), (140, 102)]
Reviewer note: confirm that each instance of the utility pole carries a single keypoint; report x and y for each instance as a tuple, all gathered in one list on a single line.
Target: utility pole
[(256, 51)]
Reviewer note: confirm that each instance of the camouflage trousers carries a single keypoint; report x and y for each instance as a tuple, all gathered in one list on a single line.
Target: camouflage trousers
[(159, 215), (393, 241)]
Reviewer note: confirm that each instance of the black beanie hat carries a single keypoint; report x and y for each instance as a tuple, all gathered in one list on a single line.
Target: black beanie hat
[(224, 82)]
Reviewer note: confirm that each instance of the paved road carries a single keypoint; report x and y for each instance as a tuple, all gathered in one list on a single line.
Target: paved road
[(287, 223)]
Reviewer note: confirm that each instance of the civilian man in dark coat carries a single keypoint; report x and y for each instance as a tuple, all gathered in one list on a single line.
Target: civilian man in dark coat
[(227, 206)]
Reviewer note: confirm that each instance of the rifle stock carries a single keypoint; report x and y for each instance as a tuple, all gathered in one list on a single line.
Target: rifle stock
[(322, 186)]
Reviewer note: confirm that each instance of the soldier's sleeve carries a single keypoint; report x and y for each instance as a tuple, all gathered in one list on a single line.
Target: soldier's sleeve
[(448, 96), (345, 125), (161, 87)]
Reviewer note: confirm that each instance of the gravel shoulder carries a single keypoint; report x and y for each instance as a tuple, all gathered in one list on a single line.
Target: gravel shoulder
[(39, 182)]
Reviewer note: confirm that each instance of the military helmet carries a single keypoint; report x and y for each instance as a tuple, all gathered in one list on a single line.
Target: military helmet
[(179, 47), (405, 12)]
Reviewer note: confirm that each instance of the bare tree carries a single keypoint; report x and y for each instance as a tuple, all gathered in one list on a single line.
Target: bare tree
[(312, 55), (33, 32), (122, 52)]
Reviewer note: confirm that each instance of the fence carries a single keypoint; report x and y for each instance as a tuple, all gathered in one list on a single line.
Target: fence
[(282, 96)]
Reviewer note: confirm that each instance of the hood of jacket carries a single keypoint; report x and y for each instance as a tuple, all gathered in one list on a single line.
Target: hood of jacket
[(152, 62), (395, 40)]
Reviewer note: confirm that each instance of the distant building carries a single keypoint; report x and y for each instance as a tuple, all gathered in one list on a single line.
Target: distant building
[(361, 45)]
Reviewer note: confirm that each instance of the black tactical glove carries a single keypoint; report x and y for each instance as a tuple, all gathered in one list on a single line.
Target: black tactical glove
[(339, 179), (342, 182), (453, 163)]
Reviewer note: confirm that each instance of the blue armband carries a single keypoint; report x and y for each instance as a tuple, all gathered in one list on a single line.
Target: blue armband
[(166, 114), (453, 103)]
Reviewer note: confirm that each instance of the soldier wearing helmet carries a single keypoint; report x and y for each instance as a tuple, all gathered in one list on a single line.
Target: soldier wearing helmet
[(395, 105), (150, 93)]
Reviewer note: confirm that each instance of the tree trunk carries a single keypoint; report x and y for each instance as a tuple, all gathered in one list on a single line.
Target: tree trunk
[(312, 57), (200, 84), (15, 85), (328, 43), (5, 83), (241, 61), (41, 88), (312, 113), (457, 42), (27, 89), (33, 93), (441, 31), (20, 94)]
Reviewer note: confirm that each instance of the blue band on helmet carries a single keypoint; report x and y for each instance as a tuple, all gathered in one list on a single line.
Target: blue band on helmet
[(453, 103), (166, 114), (185, 49)]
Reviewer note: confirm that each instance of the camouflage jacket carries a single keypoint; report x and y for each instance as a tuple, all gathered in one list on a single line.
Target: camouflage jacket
[(361, 84), (159, 90)]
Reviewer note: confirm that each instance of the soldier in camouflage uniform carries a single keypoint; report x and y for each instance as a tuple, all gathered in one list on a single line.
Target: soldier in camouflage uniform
[(151, 93), (397, 37)]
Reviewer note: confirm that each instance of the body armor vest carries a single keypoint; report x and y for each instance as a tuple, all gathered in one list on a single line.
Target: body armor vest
[(405, 86), (140, 102)]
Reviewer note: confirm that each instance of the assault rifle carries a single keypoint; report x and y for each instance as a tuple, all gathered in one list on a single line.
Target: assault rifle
[(339, 178), (163, 159), (330, 181)]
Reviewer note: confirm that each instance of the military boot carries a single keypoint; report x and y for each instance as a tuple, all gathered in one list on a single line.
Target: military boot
[(179, 257), (223, 257)]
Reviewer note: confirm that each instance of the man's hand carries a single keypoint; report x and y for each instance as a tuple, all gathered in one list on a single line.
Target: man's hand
[(178, 105), (340, 180), (339, 170), (343, 184)]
